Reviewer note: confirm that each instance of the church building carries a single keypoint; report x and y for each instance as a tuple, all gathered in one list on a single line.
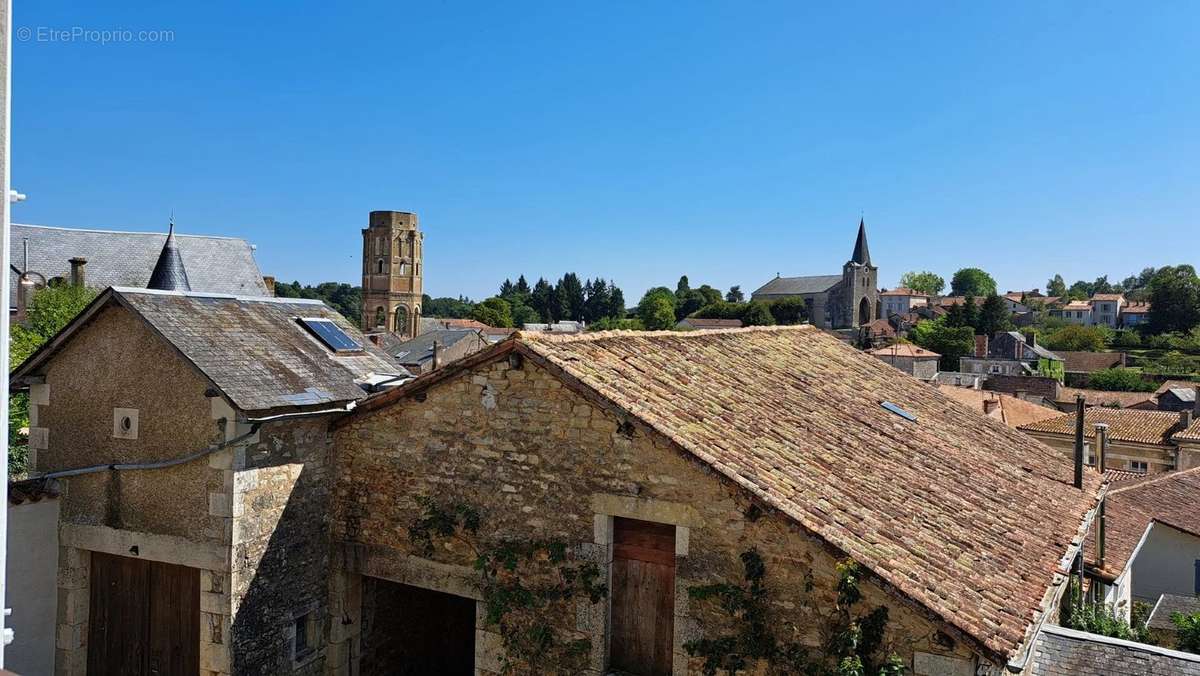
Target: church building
[(845, 301), (391, 274)]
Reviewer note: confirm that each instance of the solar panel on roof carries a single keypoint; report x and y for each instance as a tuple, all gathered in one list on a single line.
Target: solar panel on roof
[(898, 411), (331, 334)]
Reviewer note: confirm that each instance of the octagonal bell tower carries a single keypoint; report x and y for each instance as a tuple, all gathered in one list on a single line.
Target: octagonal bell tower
[(391, 273)]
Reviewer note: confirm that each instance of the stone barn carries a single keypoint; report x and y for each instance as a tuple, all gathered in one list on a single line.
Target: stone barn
[(580, 504)]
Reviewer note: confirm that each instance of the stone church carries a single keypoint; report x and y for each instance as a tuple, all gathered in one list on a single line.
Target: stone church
[(391, 274), (845, 301)]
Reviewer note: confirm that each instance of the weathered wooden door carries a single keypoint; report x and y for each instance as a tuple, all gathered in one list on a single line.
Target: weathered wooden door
[(643, 597), (144, 618)]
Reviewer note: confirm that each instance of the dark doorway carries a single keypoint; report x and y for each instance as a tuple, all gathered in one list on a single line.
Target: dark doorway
[(864, 312), (409, 631), (643, 597), (144, 618)]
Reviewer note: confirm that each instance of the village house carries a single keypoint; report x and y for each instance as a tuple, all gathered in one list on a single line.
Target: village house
[(1010, 410), (1074, 312), (901, 300), (432, 349), (1134, 314), (1106, 309), (637, 453), (188, 431), (1010, 353), (915, 361), (1138, 441)]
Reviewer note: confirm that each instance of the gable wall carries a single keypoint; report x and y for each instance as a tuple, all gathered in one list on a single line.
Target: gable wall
[(541, 461)]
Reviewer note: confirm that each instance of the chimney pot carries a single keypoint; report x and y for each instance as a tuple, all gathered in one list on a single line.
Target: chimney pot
[(78, 266), (1185, 419)]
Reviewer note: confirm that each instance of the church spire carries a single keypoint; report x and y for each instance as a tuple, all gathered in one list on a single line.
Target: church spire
[(862, 255), (169, 274)]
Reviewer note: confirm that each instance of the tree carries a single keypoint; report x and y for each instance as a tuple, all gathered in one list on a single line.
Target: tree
[(1076, 338), (788, 311), (1188, 628), (1056, 286), (691, 301), (599, 297), (970, 313), (993, 317), (954, 316), (735, 295), (506, 289), (543, 300), (1080, 290), (682, 287), (1174, 300), (1101, 285), (570, 297), (923, 282), (616, 302), (493, 312), (522, 286), (1119, 380), (657, 309), (344, 298), (710, 294), (952, 342), (972, 282), (757, 313), (450, 308)]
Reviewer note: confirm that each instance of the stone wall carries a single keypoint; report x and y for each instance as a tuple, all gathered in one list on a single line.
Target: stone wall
[(542, 461)]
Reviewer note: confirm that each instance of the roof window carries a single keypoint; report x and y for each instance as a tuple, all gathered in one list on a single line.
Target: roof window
[(898, 411), (331, 334)]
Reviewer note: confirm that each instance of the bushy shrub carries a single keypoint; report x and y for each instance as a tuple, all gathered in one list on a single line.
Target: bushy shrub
[(1119, 380)]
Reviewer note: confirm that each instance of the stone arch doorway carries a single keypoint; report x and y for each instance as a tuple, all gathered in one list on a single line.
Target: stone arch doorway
[(864, 312)]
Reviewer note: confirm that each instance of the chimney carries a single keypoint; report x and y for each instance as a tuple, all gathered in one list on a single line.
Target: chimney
[(1185, 419), (78, 267), (1101, 447), (990, 405), (1101, 451), (1031, 338), (1079, 441), (981, 347), (437, 355), (269, 282)]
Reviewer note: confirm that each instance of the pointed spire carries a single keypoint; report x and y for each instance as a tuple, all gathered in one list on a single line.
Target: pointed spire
[(862, 255), (169, 274)]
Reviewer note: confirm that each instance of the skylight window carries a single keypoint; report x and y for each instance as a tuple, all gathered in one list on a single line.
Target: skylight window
[(331, 334), (898, 411)]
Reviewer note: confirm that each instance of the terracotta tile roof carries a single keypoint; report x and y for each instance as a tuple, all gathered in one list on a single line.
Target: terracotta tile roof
[(903, 291), (904, 350), (1168, 498), (1012, 411), (1119, 475), (700, 323), (1135, 308), (1142, 427), (1077, 305), (1066, 395), (1087, 362), (880, 327), (963, 515), (1192, 433), (1108, 296), (947, 301)]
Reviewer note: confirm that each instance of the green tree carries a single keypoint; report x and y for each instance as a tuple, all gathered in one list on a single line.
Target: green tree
[(710, 294), (682, 287), (735, 295), (571, 298), (449, 308), (1174, 300), (657, 309), (616, 302), (691, 301), (1119, 380), (1056, 286), (543, 300), (788, 311), (1080, 290), (970, 312), (972, 282), (1188, 631), (757, 313), (993, 316), (494, 312), (952, 342), (522, 286), (923, 282), (599, 298), (344, 298), (1076, 338)]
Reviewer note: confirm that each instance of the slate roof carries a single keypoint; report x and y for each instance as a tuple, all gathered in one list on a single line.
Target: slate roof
[(862, 254), (1131, 506), (169, 272), (1059, 651), (420, 349), (964, 516), (214, 264), (1169, 604), (252, 349), (794, 286), (1087, 362), (1174, 384), (1141, 427)]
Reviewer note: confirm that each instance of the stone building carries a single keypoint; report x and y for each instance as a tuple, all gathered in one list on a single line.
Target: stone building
[(1138, 440), (845, 301), (638, 453), (915, 361), (189, 434), (391, 273)]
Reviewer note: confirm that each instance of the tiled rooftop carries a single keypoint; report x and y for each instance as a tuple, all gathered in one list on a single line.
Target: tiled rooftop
[(1087, 362), (1066, 395), (1143, 427), (1011, 410), (965, 516), (1192, 433), (1168, 498), (904, 350)]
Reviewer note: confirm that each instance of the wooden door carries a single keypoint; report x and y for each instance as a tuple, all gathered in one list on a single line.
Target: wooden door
[(144, 618), (643, 597)]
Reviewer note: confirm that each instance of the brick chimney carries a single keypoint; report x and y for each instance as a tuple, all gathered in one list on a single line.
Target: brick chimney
[(78, 269), (990, 405), (981, 347)]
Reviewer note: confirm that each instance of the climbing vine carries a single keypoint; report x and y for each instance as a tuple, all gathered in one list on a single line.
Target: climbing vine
[(527, 588), (851, 643)]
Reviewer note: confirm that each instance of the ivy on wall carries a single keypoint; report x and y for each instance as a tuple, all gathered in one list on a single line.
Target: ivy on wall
[(528, 587), (851, 643)]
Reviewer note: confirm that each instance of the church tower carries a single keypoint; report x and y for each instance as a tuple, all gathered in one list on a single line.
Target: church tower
[(391, 274), (860, 283)]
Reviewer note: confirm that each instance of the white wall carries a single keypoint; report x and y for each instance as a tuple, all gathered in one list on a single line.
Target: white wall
[(32, 586), (1165, 564)]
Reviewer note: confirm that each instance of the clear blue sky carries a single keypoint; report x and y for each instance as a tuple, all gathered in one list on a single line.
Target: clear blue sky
[(638, 141)]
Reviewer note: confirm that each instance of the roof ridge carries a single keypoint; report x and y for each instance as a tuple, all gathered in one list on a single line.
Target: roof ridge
[(1164, 476), (624, 333), (125, 290), (127, 232)]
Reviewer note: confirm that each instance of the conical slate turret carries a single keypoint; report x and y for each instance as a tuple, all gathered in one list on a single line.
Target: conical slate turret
[(169, 273), (862, 255)]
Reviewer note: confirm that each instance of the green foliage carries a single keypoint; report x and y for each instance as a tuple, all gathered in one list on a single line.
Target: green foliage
[(993, 317), (612, 324), (1076, 338), (53, 308), (1174, 300), (972, 282), (657, 309), (735, 295), (447, 308), (851, 643), (1119, 380), (493, 312), (1173, 363), (1188, 631), (952, 342), (344, 298), (691, 301), (1057, 286), (1100, 618), (787, 311), (527, 587), (923, 282), (758, 313), (1124, 339), (571, 297)]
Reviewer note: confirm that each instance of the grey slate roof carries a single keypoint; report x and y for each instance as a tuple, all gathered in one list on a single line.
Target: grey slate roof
[(214, 264), (1169, 604), (1066, 652), (251, 348), (862, 254), (420, 349), (794, 286), (1036, 349)]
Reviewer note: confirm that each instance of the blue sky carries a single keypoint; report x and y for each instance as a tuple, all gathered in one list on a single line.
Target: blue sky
[(637, 141)]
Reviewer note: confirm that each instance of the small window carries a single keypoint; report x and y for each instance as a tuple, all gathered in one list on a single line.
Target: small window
[(1139, 466), (331, 334), (305, 638)]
